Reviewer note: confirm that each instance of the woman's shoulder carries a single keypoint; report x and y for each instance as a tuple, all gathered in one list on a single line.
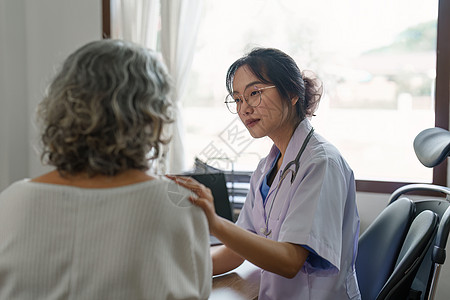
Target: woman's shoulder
[(17, 186), (323, 154), (158, 188), (176, 192), (17, 190), (84, 180)]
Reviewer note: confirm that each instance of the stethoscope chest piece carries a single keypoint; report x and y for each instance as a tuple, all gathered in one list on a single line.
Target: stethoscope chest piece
[(266, 231)]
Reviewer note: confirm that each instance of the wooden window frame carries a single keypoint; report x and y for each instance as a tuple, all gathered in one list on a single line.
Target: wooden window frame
[(442, 94), (106, 19)]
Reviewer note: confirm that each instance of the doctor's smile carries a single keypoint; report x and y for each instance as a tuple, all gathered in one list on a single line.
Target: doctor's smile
[(251, 122)]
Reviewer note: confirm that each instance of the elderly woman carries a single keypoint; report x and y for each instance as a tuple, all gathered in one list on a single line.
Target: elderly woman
[(99, 226)]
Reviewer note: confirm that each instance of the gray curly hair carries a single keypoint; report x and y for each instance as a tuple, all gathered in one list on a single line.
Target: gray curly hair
[(105, 110)]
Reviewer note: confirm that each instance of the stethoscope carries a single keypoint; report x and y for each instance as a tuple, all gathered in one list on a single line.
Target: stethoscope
[(286, 171)]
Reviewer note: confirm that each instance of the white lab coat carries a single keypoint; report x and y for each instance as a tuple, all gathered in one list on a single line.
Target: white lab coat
[(318, 210)]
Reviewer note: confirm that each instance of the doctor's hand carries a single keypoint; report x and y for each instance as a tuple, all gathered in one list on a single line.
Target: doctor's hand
[(203, 198)]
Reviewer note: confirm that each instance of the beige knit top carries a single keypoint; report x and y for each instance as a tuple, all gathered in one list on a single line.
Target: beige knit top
[(140, 241)]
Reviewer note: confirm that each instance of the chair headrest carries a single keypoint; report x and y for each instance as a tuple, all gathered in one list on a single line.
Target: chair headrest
[(432, 146)]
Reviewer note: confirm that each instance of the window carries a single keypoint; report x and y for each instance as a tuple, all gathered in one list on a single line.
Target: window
[(377, 60)]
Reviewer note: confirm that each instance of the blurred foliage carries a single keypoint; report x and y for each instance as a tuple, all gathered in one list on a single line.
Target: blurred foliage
[(421, 37)]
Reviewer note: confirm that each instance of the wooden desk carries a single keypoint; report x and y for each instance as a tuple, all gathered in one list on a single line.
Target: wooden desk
[(241, 283)]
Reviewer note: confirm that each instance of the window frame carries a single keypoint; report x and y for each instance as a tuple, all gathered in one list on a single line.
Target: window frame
[(442, 94), (106, 19)]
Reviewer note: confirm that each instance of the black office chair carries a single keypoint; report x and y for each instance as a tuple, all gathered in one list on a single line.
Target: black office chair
[(432, 146), (415, 246), (380, 278), (380, 245)]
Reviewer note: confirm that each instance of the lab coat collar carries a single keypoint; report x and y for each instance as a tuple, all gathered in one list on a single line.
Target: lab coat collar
[(293, 147)]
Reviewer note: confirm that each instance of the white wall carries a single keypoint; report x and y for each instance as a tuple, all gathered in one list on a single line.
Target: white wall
[(13, 92), (35, 36)]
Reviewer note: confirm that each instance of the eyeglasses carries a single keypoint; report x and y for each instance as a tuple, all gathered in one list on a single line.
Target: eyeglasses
[(252, 95)]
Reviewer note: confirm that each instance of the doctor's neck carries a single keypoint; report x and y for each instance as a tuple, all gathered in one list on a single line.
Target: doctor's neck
[(281, 141), (283, 137)]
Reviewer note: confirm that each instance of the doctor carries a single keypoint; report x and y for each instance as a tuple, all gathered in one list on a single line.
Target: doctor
[(299, 223)]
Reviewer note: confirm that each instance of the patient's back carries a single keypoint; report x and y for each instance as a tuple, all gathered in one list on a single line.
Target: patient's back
[(138, 241)]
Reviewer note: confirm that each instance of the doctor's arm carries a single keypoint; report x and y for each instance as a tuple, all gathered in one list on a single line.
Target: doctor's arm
[(282, 258), (224, 259)]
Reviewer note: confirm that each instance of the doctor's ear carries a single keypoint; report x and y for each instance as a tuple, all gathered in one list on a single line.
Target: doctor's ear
[(294, 100)]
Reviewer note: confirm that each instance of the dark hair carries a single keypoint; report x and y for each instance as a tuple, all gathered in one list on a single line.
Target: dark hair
[(105, 109), (273, 66)]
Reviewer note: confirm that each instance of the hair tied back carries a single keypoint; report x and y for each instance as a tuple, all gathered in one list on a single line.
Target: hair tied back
[(313, 91)]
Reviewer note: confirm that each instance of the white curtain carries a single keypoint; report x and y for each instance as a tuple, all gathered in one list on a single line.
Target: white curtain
[(135, 21), (180, 20), (139, 21)]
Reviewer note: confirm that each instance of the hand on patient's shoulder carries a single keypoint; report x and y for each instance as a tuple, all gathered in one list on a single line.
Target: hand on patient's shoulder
[(178, 194)]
